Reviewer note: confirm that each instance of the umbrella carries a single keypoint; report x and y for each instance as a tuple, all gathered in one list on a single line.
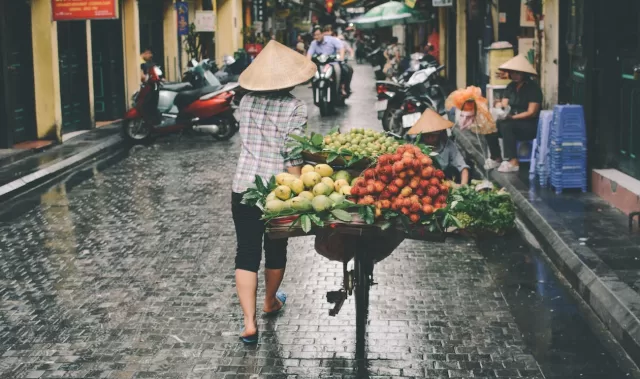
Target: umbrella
[(389, 14)]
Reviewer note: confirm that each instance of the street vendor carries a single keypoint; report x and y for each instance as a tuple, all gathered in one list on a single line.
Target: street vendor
[(524, 98), (432, 129), (268, 115)]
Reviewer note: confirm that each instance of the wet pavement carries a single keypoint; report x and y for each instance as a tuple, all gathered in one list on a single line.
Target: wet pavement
[(125, 270)]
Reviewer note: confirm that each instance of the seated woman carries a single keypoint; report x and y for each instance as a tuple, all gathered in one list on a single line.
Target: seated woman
[(433, 130), (524, 96)]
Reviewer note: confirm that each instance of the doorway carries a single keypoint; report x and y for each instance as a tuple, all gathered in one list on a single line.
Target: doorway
[(152, 30), (74, 81), (17, 97), (108, 69)]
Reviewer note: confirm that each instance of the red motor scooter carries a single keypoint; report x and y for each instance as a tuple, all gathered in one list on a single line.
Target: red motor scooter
[(199, 104)]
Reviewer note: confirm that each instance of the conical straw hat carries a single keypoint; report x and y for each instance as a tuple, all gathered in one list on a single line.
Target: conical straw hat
[(430, 122), (518, 63), (277, 67)]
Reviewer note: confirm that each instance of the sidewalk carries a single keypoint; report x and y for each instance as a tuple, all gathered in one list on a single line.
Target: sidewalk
[(587, 239), (22, 171)]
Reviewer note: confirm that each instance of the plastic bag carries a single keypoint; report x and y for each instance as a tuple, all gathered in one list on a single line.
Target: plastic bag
[(500, 113), (475, 114)]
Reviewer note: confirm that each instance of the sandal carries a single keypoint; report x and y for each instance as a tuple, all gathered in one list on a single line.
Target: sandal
[(282, 296), (249, 340)]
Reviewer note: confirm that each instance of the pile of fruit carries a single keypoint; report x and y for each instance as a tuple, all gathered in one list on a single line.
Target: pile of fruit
[(363, 142), (405, 182), (358, 146), (318, 189)]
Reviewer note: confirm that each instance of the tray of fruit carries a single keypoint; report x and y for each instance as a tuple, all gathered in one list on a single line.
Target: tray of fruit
[(404, 191), (357, 148)]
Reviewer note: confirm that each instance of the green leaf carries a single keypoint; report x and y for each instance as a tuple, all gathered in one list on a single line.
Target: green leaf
[(385, 225), (369, 217), (390, 215), (296, 151), (316, 220), (332, 157), (305, 222), (317, 139), (314, 149), (335, 129), (298, 138), (272, 183), (260, 184), (341, 215)]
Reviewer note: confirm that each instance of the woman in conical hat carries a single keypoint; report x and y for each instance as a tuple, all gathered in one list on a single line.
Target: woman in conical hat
[(267, 116), (432, 129), (524, 98)]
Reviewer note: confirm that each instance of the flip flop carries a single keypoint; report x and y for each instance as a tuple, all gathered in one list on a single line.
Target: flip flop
[(249, 340), (282, 296)]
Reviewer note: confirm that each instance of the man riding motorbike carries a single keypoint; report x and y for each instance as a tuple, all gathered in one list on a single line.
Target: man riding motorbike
[(329, 45)]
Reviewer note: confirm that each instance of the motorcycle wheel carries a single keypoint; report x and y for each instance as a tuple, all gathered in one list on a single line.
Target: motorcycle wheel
[(387, 119), (136, 131), (396, 126), (324, 109), (227, 130)]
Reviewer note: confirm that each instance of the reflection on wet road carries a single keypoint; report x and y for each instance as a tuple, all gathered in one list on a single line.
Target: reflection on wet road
[(126, 271)]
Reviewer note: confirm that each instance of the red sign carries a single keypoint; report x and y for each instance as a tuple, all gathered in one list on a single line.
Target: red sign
[(84, 9)]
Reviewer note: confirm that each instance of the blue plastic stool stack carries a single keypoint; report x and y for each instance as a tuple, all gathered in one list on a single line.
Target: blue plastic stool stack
[(540, 160), (568, 148)]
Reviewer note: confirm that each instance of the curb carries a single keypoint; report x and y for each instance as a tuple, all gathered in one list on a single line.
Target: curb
[(613, 301), (30, 181)]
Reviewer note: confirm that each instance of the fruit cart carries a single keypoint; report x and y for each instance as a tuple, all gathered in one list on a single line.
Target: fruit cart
[(366, 245)]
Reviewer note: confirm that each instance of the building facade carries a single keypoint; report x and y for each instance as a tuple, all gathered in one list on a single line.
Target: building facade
[(59, 77)]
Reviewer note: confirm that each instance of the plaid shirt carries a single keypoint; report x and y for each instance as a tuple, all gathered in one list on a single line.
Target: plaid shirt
[(266, 120)]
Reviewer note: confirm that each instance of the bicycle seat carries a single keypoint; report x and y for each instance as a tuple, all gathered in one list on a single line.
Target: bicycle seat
[(176, 87), (185, 98)]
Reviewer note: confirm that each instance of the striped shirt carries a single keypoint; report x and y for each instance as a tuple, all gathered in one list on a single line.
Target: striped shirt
[(266, 120)]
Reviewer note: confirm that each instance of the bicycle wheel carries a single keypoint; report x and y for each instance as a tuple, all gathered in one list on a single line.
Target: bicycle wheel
[(363, 268)]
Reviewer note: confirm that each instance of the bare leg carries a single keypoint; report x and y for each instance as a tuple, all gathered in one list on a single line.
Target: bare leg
[(247, 286), (272, 280)]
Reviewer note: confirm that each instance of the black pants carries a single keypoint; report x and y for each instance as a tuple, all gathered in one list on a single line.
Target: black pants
[(511, 131), (249, 233), (347, 74)]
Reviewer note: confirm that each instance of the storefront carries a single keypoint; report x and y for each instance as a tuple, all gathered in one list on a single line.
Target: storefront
[(74, 76), (603, 44), (17, 98), (108, 69)]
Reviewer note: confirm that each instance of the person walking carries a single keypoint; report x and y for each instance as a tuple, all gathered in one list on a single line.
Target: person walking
[(268, 115), (524, 98)]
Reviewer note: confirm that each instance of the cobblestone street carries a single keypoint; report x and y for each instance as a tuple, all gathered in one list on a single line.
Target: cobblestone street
[(129, 274)]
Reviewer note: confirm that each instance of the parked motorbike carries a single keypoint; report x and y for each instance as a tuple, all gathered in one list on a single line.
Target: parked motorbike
[(377, 60), (199, 104), (326, 86), (418, 61), (403, 104)]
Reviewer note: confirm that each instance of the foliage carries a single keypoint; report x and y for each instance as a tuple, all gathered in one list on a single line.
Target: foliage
[(491, 211)]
